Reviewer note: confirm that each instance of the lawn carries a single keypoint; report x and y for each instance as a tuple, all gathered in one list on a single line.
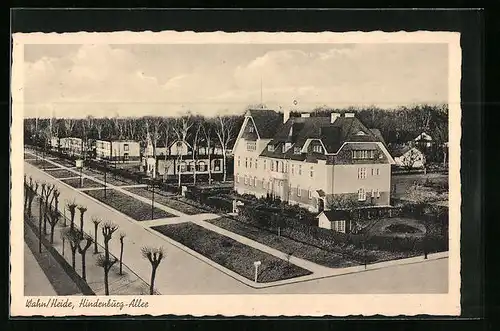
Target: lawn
[(230, 253), (131, 207), (63, 173), (75, 182), (394, 227), (41, 163), (286, 245), (401, 183), (110, 178)]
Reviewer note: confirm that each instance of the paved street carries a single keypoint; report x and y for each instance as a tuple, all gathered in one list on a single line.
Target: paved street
[(183, 273)]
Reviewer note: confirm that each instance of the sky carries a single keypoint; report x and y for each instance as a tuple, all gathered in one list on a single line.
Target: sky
[(169, 80)]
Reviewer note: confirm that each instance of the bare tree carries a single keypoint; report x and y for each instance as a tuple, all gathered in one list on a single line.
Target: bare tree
[(155, 256), (224, 130), (96, 222), (104, 261), (48, 190), (72, 210), (54, 216), (207, 131), (181, 130), (132, 128), (83, 250), (99, 126), (69, 124), (118, 127), (82, 210), (195, 139), (122, 236), (73, 237), (167, 134), (153, 125)]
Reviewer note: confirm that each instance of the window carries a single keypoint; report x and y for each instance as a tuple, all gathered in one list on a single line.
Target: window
[(255, 181), (342, 226), (298, 190), (272, 166), (250, 128), (361, 173), (373, 193), (283, 148), (296, 150), (239, 161), (378, 194), (250, 164), (182, 167), (256, 163), (362, 154), (250, 180), (251, 146), (201, 166), (270, 148), (246, 180), (317, 149), (361, 194), (246, 162), (179, 144), (264, 164), (280, 166), (237, 178), (191, 166), (377, 171), (293, 169), (309, 193), (125, 147), (311, 172), (263, 183), (300, 169)]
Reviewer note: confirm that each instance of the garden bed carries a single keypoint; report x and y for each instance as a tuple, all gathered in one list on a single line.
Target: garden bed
[(127, 205), (41, 163), (87, 183), (110, 178), (231, 254), (285, 245), (63, 173)]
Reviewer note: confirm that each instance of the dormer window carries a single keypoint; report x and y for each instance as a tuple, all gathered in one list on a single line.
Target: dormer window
[(296, 150), (318, 149), (250, 128), (270, 148), (360, 133), (362, 154)]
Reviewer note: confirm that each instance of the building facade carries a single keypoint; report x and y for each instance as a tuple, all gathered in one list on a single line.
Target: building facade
[(179, 159), (117, 150), (311, 161), (72, 146), (408, 157)]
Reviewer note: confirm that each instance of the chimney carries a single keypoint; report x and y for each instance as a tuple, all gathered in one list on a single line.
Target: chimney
[(286, 116), (333, 117), (305, 115), (349, 115)]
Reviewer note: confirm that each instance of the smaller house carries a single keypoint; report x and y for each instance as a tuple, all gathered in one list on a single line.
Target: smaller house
[(54, 143), (336, 220), (423, 140), (121, 150), (408, 157), (72, 146)]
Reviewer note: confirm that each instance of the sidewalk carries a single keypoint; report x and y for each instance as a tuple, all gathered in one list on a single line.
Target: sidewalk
[(36, 282)]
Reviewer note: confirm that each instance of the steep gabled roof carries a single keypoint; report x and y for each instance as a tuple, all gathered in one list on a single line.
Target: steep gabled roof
[(336, 215), (331, 135), (266, 121), (396, 152)]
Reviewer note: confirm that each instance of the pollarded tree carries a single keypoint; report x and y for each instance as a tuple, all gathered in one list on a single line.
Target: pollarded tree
[(154, 256), (82, 210), (87, 240), (72, 210), (48, 191), (208, 136), (54, 217), (104, 261), (122, 236), (96, 222), (72, 235)]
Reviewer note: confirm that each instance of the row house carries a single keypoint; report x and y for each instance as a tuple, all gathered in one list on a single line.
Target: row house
[(310, 161), (117, 150), (178, 158)]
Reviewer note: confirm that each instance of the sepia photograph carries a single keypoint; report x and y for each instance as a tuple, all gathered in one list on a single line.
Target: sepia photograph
[(308, 170)]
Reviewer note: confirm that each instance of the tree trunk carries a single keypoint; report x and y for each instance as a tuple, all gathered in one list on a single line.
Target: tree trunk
[(121, 257), (106, 285), (194, 169), (224, 163), (209, 166), (180, 172), (95, 239), (40, 227), (73, 257), (81, 226), (52, 228), (152, 283), (63, 242), (84, 274)]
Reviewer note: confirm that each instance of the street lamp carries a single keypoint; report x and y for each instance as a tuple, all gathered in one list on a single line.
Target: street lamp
[(256, 264), (79, 165)]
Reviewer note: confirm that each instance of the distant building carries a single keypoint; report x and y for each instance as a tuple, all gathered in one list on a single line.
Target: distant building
[(72, 146), (54, 143), (423, 140), (310, 160), (117, 150), (408, 157), (180, 160)]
